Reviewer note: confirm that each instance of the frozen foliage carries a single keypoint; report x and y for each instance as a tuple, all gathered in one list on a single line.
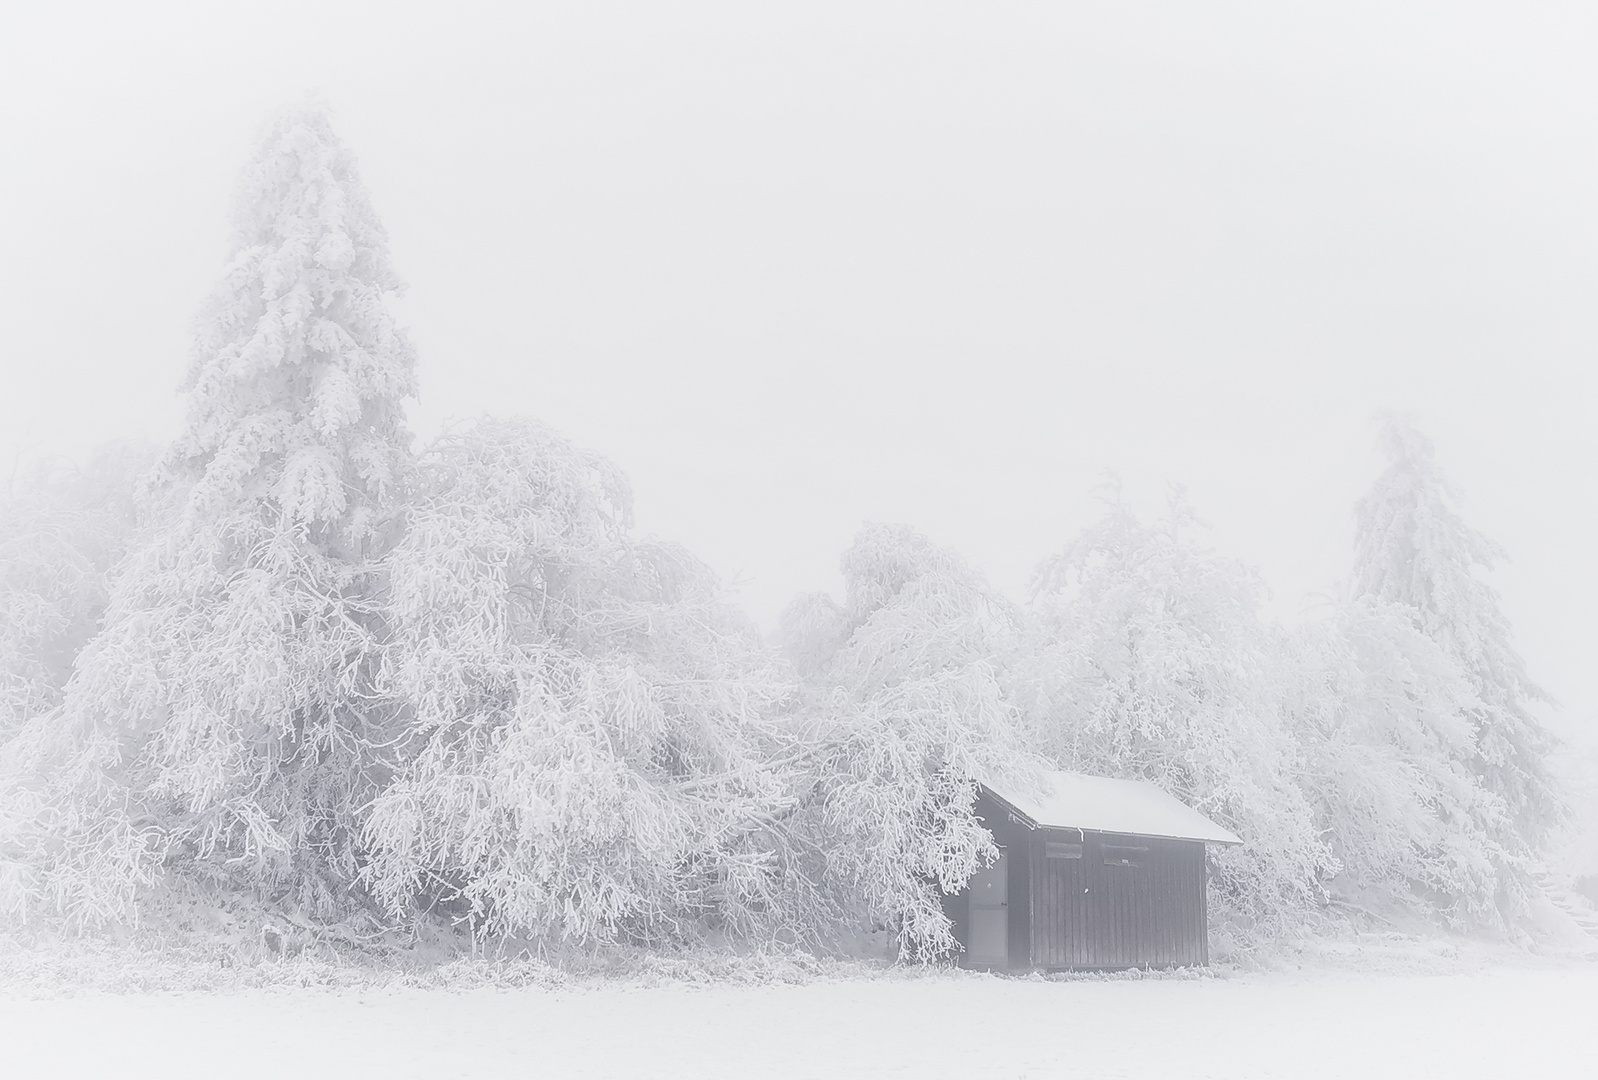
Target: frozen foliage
[(1382, 714), (1150, 662), (62, 529), (583, 710), (902, 713), (1348, 753), (222, 725), (311, 675), (300, 369), (1415, 552)]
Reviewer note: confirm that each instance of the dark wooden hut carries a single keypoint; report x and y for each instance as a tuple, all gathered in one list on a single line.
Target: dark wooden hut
[(1094, 873)]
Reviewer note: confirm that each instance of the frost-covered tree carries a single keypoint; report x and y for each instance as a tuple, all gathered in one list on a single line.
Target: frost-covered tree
[(62, 529), (223, 723), (1380, 711), (587, 713), (1151, 662), (1412, 549), (902, 714)]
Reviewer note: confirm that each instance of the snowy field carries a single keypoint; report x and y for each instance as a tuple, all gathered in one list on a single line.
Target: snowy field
[(1500, 1022)]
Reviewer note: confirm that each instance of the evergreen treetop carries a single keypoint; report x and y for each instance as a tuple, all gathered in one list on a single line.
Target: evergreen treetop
[(300, 368), (1414, 549)]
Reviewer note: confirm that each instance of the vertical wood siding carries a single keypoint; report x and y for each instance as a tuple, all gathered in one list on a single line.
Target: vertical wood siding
[(1080, 913), (1085, 914)]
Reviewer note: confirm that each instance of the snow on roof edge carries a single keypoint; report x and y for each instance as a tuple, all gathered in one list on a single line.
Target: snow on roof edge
[(1103, 804)]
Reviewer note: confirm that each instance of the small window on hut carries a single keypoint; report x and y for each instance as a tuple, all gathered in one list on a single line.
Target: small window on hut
[(1123, 854), (1058, 850)]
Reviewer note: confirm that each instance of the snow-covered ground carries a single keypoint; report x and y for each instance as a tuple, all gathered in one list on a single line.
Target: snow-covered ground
[(1500, 1021)]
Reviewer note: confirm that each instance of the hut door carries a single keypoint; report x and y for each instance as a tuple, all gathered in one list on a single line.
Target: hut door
[(990, 915)]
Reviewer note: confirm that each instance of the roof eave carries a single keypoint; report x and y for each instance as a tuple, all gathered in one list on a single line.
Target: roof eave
[(1142, 835), (1031, 823), (1017, 814)]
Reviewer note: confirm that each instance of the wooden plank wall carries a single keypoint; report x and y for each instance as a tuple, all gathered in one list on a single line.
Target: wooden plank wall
[(1089, 915)]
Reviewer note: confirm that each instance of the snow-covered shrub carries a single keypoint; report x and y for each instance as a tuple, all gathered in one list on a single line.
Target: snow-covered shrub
[(1150, 662), (62, 529), (584, 711), (223, 725), (902, 713)]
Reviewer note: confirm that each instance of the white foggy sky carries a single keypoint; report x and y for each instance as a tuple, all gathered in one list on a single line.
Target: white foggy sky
[(798, 268)]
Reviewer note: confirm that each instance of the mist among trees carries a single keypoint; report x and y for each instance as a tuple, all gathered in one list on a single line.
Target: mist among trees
[(295, 664)]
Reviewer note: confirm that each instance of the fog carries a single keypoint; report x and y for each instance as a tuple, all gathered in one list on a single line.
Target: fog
[(941, 264)]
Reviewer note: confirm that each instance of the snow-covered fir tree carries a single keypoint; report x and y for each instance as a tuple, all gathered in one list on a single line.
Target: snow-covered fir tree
[(588, 714), (223, 723), (1414, 550), (902, 713)]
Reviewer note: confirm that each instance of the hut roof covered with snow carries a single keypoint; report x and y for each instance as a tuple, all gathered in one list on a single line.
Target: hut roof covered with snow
[(1067, 800)]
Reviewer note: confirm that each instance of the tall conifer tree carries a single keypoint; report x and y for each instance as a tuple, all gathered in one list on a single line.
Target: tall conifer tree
[(1413, 549), (224, 719)]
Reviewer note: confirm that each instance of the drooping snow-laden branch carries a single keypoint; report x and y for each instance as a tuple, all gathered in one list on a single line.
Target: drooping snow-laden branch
[(589, 717)]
